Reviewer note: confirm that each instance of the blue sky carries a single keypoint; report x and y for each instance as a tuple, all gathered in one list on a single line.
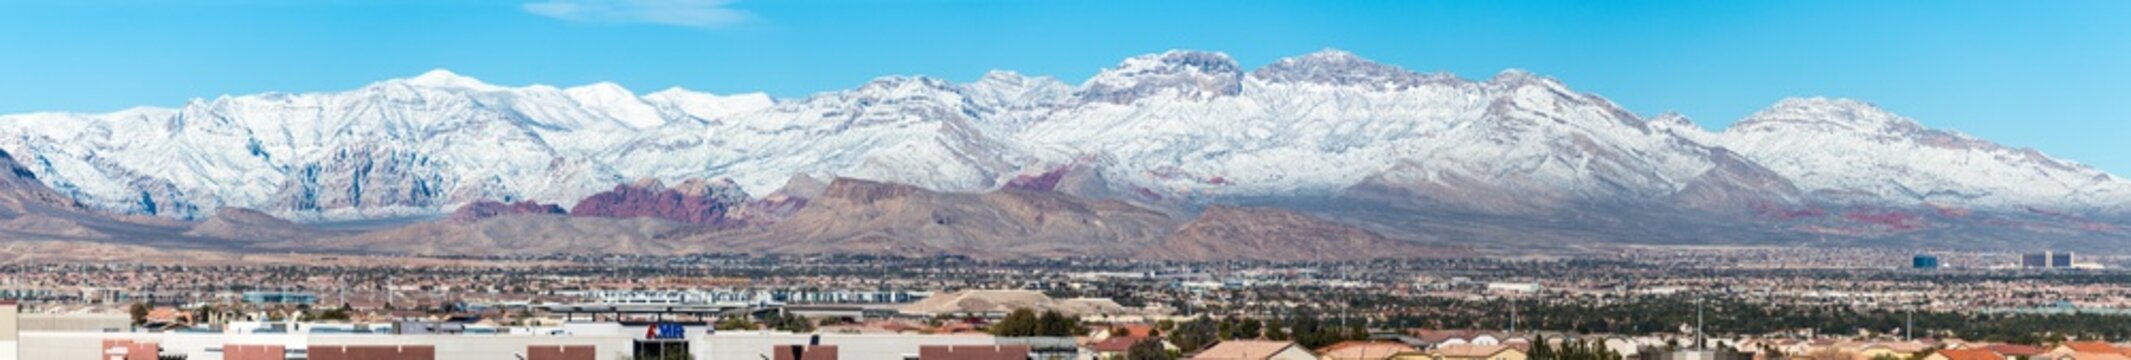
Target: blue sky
[(2051, 75)]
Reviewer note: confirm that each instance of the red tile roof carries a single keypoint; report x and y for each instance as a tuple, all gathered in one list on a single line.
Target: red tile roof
[(1472, 351), (2016, 349), (1134, 330), (1970, 354), (1363, 350), (2093, 347), (1115, 344), (1244, 350)]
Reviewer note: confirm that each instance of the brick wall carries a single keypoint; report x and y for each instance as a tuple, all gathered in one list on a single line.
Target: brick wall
[(377, 352), (583, 352), (974, 352), (254, 352), (135, 350)]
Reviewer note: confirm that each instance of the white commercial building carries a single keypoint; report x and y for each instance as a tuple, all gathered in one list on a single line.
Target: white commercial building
[(8, 340), (1522, 288)]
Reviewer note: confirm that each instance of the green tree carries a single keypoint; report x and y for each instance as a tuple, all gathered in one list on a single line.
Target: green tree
[(1194, 335), (1540, 349), (1225, 330), (1276, 331), (736, 322), (791, 323), (1020, 323), (1051, 323), (139, 312), (1250, 329), (203, 314), (1147, 349), (333, 314)]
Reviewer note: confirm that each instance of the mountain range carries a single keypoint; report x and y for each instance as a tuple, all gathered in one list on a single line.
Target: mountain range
[(1153, 147)]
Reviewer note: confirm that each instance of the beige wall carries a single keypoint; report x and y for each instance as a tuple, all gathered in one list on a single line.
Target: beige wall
[(72, 322), (8, 330), (7, 323)]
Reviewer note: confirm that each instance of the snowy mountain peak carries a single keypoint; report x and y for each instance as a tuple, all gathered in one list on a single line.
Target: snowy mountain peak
[(1335, 67), (676, 102), (617, 102), (1853, 152), (1005, 76), (1680, 126), (441, 78), (1011, 90), (905, 84), (1175, 127), (1673, 119), (1519, 77), (1823, 112), (1195, 74)]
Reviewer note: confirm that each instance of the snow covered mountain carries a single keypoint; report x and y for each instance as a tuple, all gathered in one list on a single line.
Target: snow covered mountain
[(1181, 127), (1851, 152)]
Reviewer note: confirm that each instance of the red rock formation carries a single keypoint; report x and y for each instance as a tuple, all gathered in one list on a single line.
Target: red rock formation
[(695, 202), (1046, 181)]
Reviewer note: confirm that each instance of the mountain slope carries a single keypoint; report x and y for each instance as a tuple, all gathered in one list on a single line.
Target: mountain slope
[(1174, 132), (1850, 152), (1180, 126), (860, 216)]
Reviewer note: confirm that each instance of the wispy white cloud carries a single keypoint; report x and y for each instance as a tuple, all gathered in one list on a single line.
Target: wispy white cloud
[(690, 13)]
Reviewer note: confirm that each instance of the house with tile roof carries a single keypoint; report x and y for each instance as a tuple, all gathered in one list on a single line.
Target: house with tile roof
[(1478, 352), (1256, 350), (1964, 354), (1364, 350), (2084, 347)]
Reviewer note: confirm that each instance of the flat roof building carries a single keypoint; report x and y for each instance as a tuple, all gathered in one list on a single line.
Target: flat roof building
[(9, 329), (2048, 260), (1924, 262), (280, 298)]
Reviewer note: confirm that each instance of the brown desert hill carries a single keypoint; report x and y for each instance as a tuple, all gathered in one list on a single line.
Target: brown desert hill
[(251, 226), (860, 216), (695, 201), (30, 210), (21, 193), (42, 226), (511, 234), (1249, 233), (32, 213), (782, 203), (484, 209)]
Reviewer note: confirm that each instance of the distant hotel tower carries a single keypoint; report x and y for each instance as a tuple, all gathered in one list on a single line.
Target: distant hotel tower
[(2047, 259), (1924, 262)]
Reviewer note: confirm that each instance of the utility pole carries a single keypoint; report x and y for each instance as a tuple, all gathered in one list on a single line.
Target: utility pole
[(1701, 341), (1909, 324)]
